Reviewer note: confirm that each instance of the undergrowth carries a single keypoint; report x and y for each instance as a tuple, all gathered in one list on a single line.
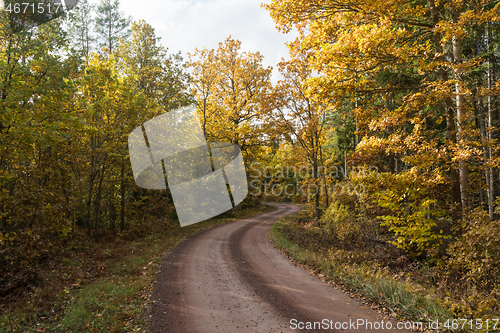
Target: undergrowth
[(382, 275)]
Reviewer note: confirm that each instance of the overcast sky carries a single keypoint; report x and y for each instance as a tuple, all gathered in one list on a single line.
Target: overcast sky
[(184, 25)]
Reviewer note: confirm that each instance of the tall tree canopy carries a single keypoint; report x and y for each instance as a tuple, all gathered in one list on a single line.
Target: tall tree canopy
[(230, 88), (419, 77)]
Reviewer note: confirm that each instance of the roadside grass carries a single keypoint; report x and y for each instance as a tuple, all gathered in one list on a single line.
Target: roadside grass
[(105, 291), (396, 296)]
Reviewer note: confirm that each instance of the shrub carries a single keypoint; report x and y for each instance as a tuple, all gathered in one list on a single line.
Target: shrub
[(413, 210), (475, 256), (341, 221)]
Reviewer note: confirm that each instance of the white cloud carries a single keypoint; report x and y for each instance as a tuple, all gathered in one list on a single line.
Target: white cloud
[(185, 25)]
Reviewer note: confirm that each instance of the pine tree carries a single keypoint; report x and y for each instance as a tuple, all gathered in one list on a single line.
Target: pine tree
[(81, 26), (111, 24)]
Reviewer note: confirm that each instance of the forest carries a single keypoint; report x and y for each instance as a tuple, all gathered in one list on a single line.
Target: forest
[(384, 127)]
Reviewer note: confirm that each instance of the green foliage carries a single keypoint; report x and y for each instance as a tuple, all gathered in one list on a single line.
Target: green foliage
[(111, 24), (160, 76), (65, 177), (341, 222), (413, 212), (341, 135), (80, 30)]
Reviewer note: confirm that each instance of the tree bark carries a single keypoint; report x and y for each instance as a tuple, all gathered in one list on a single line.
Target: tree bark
[(90, 195), (461, 116), (97, 201), (489, 134), (324, 178), (316, 188), (122, 199)]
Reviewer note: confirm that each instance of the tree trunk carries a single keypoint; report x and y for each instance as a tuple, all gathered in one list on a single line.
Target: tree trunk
[(324, 178), (97, 201), (489, 134), (122, 199), (461, 117), (478, 112), (316, 188), (89, 199)]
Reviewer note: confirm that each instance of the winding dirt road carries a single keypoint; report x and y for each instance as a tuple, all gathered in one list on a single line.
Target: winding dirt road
[(231, 279)]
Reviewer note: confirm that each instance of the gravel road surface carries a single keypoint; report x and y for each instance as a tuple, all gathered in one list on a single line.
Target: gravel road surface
[(231, 279)]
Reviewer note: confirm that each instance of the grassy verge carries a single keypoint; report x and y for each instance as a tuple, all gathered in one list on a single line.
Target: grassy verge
[(107, 290), (395, 296)]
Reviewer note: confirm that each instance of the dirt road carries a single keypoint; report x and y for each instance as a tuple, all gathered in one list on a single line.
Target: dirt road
[(231, 279)]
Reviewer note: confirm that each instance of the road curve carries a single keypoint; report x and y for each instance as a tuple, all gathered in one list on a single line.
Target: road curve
[(231, 279)]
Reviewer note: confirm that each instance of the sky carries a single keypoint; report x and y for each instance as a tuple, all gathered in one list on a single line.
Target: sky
[(184, 25)]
